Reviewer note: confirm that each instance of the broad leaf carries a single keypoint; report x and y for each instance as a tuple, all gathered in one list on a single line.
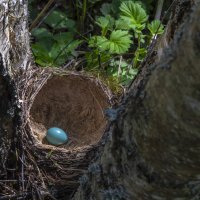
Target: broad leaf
[(58, 51), (41, 55), (106, 9), (43, 37), (41, 33), (63, 37), (93, 58), (39, 50), (123, 63), (156, 27), (121, 24), (72, 47), (103, 22), (106, 22), (119, 42), (58, 19), (133, 14), (97, 41)]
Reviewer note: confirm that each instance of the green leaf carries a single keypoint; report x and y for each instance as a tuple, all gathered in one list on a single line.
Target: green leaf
[(106, 8), (93, 1), (119, 42), (121, 24), (41, 55), (42, 62), (55, 50), (66, 44), (56, 55), (93, 41), (115, 6), (127, 76), (97, 41), (93, 59), (156, 27), (123, 63), (43, 37), (58, 20), (39, 50), (133, 14), (61, 51), (133, 72), (40, 33), (106, 22), (142, 51), (72, 47), (64, 37), (102, 22)]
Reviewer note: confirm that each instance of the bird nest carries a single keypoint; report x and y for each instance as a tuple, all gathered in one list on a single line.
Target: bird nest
[(74, 102)]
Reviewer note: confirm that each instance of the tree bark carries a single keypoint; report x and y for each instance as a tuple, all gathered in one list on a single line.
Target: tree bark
[(15, 58), (14, 34)]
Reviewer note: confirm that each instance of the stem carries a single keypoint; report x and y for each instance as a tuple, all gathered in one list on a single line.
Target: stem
[(35, 22), (104, 32), (99, 61), (47, 14), (84, 12), (119, 67), (159, 9), (77, 11), (137, 54)]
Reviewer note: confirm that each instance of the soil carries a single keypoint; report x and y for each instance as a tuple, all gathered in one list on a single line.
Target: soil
[(74, 104)]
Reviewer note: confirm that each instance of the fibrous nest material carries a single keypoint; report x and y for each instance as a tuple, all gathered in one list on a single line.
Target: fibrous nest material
[(74, 102)]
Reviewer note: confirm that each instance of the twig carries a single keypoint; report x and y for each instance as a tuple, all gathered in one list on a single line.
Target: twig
[(35, 22), (48, 13), (119, 67), (159, 9)]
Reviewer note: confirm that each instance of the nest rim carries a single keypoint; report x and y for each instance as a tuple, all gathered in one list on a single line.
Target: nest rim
[(50, 74)]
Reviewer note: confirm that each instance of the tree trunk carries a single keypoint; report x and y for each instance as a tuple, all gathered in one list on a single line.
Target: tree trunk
[(152, 145), (14, 56)]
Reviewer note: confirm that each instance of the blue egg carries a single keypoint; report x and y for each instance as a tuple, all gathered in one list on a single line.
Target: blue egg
[(56, 136)]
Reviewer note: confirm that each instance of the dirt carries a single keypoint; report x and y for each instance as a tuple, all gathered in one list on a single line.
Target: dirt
[(74, 104)]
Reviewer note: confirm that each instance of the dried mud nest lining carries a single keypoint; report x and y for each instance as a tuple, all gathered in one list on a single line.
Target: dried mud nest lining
[(74, 103)]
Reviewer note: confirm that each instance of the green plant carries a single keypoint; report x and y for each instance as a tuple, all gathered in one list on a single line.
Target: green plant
[(54, 48), (115, 48), (117, 37), (134, 15), (122, 70), (118, 42), (58, 20), (155, 28)]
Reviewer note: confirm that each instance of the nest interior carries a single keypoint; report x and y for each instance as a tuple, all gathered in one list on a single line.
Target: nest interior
[(74, 103)]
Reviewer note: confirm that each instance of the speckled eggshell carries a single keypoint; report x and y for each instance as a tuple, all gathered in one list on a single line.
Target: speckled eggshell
[(56, 136)]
